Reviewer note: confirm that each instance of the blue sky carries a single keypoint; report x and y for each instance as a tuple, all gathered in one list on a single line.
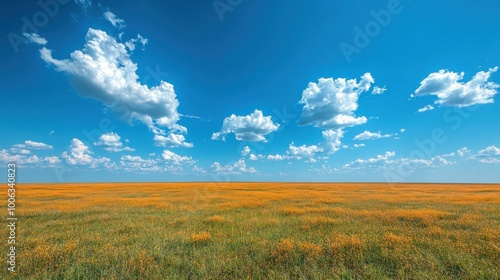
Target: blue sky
[(223, 90)]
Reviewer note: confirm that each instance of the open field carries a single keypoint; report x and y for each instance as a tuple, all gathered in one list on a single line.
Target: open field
[(257, 231)]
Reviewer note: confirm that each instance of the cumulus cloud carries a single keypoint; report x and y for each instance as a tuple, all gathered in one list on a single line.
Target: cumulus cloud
[(332, 143), (376, 160), (167, 162), (104, 71), (490, 155), (172, 140), (32, 145), (114, 20), (256, 157), (367, 135), (303, 151), (111, 142), (378, 90), (80, 155), (245, 151), (6, 157), (331, 103), (358, 145), (451, 91), (238, 167), (253, 127), (425, 108), (276, 157), (175, 159), (136, 163), (22, 155), (35, 38), (53, 160), (20, 151)]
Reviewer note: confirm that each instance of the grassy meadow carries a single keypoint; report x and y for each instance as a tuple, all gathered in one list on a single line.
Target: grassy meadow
[(256, 231)]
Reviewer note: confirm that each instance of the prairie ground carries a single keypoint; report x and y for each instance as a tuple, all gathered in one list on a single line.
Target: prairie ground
[(256, 231)]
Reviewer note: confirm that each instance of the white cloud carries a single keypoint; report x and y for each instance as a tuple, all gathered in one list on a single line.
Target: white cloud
[(253, 127), (450, 91), (332, 140), (6, 157), (331, 103), (402, 130), (367, 135), (379, 159), (111, 142), (388, 162), (464, 152), (32, 145), (85, 4), (378, 162), (236, 168), (256, 157), (276, 157), (114, 20), (168, 162), (176, 159), (130, 44), (490, 151), (330, 145), (20, 156), (103, 70), (378, 90), (245, 151), (172, 140), (198, 169), (136, 163), (53, 160), (359, 145), (80, 154), (32, 159), (490, 155), (35, 38), (20, 151), (303, 151), (425, 108)]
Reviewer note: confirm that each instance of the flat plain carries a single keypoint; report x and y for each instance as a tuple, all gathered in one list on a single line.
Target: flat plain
[(257, 231)]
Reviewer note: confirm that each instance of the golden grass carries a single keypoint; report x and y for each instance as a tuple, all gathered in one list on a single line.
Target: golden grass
[(201, 237), (216, 219), (258, 231)]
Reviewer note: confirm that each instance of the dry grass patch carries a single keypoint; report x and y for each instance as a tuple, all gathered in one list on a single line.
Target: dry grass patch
[(318, 221), (216, 219), (284, 251), (201, 237)]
